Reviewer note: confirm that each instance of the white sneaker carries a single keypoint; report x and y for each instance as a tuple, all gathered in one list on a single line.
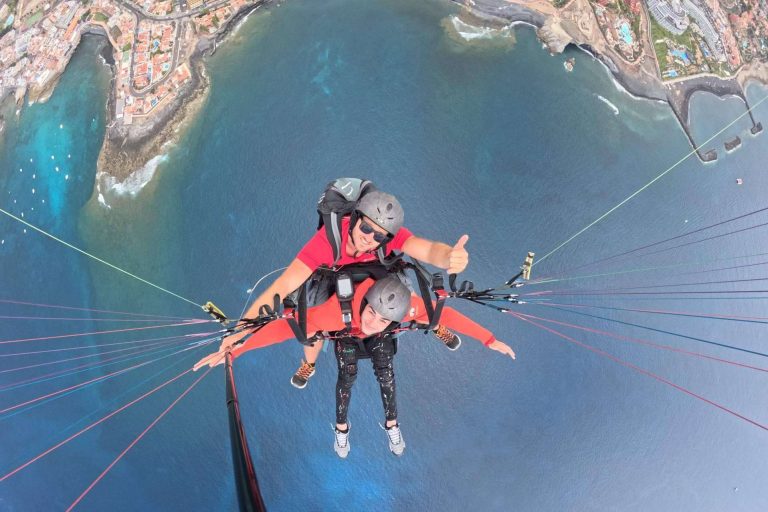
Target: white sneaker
[(395, 438), (341, 446)]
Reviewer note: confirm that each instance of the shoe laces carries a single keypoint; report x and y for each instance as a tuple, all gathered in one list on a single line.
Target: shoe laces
[(395, 437), (341, 438), (444, 334), (305, 371)]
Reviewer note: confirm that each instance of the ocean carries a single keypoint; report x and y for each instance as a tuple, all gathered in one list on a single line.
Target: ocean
[(489, 137)]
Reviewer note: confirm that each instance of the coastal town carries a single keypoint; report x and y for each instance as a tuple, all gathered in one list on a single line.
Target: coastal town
[(664, 50), (151, 42), (154, 44)]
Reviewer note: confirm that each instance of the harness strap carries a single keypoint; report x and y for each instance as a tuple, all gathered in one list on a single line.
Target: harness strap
[(299, 327), (424, 289), (440, 303)]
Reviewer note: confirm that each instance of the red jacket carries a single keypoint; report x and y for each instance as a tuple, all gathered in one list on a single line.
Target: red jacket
[(327, 317)]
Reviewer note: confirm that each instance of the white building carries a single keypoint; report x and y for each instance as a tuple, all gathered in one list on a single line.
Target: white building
[(670, 14)]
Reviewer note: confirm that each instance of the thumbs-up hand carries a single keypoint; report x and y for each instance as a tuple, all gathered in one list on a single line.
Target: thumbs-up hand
[(458, 258)]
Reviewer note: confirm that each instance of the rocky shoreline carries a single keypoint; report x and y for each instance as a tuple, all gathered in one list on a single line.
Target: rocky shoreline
[(639, 80), (557, 36), (127, 149)]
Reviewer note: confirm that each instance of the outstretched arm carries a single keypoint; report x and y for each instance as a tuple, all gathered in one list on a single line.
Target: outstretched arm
[(453, 259), (293, 277), (459, 323), (272, 333), (324, 317)]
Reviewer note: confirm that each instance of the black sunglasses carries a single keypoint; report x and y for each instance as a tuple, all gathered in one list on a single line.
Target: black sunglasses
[(367, 229)]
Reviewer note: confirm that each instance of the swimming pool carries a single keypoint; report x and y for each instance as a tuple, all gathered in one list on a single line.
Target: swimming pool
[(625, 33)]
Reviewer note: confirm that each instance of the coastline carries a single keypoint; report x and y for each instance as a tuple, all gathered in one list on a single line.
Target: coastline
[(557, 33), (126, 150), (43, 94), (558, 28)]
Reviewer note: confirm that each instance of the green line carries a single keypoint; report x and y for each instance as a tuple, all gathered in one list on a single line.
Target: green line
[(96, 258), (654, 180)]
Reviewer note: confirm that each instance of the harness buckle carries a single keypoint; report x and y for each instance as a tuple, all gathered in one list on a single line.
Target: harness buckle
[(215, 312), (527, 265), (525, 272)]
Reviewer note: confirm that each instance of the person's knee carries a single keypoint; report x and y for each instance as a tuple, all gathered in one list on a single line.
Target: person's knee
[(385, 374), (348, 373)]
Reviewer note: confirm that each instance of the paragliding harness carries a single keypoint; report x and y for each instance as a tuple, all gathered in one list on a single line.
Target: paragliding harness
[(342, 282)]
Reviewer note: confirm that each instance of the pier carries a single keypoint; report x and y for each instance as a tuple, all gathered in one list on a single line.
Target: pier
[(679, 98)]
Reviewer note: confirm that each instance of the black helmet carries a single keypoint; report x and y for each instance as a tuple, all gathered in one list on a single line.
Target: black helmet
[(383, 209), (390, 298)]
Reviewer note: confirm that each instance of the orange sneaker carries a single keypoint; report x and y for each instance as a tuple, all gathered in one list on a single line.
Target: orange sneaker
[(451, 340), (302, 375)]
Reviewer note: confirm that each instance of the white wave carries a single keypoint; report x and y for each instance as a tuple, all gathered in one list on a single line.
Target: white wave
[(137, 180), (102, 201), (470, 32), (243, 20), (100, 196), (608, 102)]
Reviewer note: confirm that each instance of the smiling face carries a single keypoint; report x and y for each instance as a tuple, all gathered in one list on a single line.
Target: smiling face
[(366, 242), (371, 322)]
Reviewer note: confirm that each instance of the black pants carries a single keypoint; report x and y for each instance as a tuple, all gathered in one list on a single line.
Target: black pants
[(381, 350)]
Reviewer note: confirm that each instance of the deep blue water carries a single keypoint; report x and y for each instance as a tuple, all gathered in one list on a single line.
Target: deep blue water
[(492, 140)]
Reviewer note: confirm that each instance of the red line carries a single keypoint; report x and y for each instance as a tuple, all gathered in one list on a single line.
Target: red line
[(138, 438), (83, 366), (194, 322), (587, 293), (89, 427), (96, 379), (643, 371), (596, 291), (663, 312), (6, 301), (83, 319), (645, 342), (169, 341), (197, 335), (626, 253)]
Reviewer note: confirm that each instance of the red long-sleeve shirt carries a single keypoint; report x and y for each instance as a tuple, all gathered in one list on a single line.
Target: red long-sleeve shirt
[(327, 317)]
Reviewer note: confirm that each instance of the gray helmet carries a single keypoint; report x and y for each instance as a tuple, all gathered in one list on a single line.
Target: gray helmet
[(383, 209), (390, 298)]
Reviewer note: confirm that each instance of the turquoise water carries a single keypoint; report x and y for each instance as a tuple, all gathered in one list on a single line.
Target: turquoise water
[(492, 140)]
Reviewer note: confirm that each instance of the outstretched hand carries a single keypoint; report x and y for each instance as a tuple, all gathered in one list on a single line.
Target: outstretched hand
[(211, 360), (500, 346), (458, 258), (217, 357)]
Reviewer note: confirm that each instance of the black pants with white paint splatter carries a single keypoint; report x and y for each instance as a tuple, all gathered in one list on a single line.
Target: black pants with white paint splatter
[(381, 350)]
